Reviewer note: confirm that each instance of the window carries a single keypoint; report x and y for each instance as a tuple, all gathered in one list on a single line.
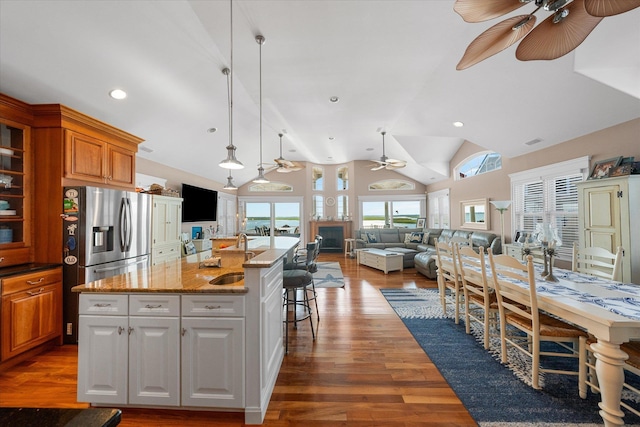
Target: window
[(478, 164), (392, 184), (438, 209), (343, 178), (260, 215), (271, 186), (396, 213), (317, 208), (549, 194), (343, 207), (317, 179)]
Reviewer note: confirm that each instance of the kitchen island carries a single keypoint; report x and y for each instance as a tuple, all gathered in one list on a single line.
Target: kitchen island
[(167, 337)]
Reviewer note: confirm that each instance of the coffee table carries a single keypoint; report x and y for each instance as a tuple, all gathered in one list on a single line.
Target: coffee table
[(380, 259)]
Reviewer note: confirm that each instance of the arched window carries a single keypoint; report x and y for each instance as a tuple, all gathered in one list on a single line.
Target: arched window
[(477, 164)]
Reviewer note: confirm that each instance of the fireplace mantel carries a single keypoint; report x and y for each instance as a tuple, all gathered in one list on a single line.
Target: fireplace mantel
[(331, 243)]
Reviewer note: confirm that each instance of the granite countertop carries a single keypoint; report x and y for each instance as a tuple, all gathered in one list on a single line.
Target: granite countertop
[(60, 417), (183, 276), (25, 268)]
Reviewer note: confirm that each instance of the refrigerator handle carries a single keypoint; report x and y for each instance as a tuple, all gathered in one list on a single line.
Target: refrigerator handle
[(102, 270), (126, 227)]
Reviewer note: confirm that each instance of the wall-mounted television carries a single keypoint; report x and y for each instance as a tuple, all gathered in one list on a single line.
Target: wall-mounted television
[(199, 204)]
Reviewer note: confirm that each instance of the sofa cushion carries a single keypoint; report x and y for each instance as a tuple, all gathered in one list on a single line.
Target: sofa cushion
[(389, 235), (371, 238)]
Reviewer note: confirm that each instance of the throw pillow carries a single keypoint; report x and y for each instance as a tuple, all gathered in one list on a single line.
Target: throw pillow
[(363, 236), (406, 238), (425, 239), (416, 237), (371, 238)]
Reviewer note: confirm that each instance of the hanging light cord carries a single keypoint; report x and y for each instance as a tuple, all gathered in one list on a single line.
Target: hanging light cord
[(230, 76), (261, 41)]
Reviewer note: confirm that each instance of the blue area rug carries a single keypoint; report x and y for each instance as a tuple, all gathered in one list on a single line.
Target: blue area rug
[(494, 394), (329, 275)]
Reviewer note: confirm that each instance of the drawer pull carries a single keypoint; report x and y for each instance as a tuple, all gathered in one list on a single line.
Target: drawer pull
[(130, 330), (212, 307), (151, 307), (102, 304), (35, 282), (34, 293), (120, 330)]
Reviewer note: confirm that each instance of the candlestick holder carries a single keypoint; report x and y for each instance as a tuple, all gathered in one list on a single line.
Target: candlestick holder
[(550, 277)]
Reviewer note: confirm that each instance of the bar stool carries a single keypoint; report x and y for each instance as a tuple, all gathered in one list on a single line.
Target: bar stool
[(349, 245), (293, 282)]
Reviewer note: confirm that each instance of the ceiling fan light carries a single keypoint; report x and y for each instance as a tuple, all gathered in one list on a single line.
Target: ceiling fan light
[(553, 5), (560, 15)]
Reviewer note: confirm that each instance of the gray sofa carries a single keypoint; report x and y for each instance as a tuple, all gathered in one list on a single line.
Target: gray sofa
[(424, 261)]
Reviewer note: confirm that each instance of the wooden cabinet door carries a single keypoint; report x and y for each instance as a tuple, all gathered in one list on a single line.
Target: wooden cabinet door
[(30, 318), (601, 209), (121, 166), (84, 157), (103, 347), (213, 362), (154, 361)]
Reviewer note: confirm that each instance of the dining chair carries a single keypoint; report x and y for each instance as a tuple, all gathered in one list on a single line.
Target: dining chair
[(448, 277), (631, 366), (597, 261), (523, 326), (480, 301)]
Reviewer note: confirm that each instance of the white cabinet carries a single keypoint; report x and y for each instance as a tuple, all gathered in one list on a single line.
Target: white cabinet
[(166, 222), (128, 349), (138, 350), (607, 220)]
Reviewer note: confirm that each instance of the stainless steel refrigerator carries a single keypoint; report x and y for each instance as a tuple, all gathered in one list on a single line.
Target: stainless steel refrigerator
[(106, 233)]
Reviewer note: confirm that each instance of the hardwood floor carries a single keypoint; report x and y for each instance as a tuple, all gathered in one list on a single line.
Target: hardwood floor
[(364, 369)]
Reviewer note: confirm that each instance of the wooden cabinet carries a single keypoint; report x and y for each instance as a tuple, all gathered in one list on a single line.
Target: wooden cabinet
[(15, 182), (607, 220), (166, 223), (70, 149), (95, 160), (31, 311), (132, 350)]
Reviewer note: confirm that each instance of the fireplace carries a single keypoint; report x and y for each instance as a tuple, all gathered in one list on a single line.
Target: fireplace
[(333, 234)]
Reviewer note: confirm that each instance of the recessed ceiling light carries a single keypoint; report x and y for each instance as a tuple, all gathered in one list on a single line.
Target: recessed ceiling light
[(331, 138), (334, 99), (292, 150), (458, 124), (212, 130), (369, 149), (118, 94)]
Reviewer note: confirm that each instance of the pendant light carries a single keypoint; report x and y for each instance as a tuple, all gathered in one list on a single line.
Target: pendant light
[(260, 179), (230, 162), (230, 185)]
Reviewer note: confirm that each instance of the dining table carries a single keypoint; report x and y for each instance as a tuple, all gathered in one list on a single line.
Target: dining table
[(608, 310)]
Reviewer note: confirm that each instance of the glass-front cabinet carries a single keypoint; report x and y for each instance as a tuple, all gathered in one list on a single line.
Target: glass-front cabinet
[(15, 210)]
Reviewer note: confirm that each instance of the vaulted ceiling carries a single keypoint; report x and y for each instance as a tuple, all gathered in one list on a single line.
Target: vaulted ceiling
[(391, 63)]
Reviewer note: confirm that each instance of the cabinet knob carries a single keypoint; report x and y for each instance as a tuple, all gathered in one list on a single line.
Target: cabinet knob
[(130, 330), (1, 259), (184, 331), (120, 330)]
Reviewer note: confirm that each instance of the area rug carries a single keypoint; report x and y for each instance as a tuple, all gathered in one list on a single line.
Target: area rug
[(494, 394), (329, 275)]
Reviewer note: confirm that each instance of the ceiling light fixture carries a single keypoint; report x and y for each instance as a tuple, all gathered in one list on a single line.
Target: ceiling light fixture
[(230, 162), (569, 25), (385, 162), (458, 124), (334, 99), (283, 165), (260, 179), (118, 94), (230, 185)]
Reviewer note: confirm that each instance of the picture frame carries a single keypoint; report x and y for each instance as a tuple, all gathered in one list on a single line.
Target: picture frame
[(421, 223), (602, 168), (621, 170)]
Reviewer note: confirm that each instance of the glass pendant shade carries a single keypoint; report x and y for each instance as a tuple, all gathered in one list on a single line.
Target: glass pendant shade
[(501, 205)]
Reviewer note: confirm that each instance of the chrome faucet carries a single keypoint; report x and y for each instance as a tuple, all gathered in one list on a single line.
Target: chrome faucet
[(247, 253)]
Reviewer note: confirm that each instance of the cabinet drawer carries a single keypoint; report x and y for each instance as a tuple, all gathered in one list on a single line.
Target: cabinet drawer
[(212, 305), (30, 280), (154, 305), (14, 257), (104, 304)]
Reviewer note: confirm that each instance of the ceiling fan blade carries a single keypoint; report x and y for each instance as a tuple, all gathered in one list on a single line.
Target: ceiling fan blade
[(378, 167), (282, 162), (284, 170), (551, 40), (393, 166), (609, 7), (496, 39), (483, 10)]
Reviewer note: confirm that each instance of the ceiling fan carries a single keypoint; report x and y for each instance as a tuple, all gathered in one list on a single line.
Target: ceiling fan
[(385, 162), (569, 25), (285, 166)]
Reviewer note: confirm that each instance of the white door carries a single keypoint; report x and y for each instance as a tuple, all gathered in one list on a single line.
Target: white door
[(102, 359), (154, 358), (601, 207), (213, 362)]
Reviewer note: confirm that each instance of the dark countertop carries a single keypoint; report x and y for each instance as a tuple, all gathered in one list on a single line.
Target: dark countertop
[(58, 417), (25, 268)]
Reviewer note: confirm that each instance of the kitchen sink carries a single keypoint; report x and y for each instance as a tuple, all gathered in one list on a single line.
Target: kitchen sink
[(228, 279)]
